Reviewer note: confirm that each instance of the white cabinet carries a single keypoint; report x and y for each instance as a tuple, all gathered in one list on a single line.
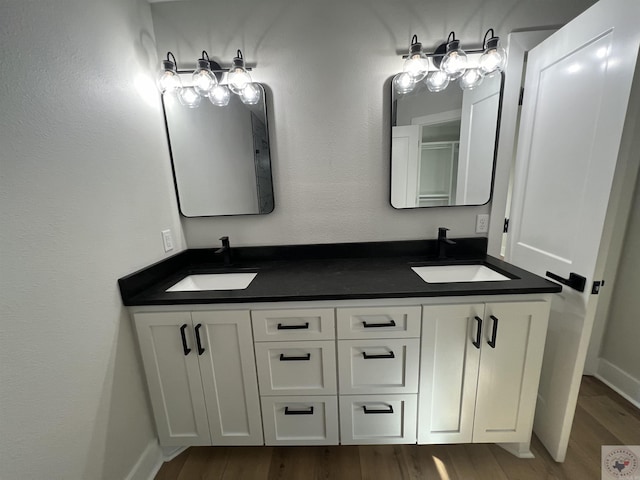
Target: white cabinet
[(378, 359), (480, 370), (200, 370)]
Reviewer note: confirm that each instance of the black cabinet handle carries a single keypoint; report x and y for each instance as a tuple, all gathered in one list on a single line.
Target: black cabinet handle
[(185, 348), (289, 359), (383, 355), (391, 323), (368, 411), (198, 341), (494, 332), (478, 333), (309, 411), (575, 281), (293, 327)]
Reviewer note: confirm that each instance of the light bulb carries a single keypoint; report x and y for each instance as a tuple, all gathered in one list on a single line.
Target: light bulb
[(403, 83), (220, 95), (203, 78), (188, 97), (417, 64), (437, 81), (238, 77), (454, 62), (493, 59), (168, 79), (471, 79), (250, 94)]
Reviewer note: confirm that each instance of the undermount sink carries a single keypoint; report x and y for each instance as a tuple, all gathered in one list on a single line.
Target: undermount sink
[(458, 273), (213, 281)]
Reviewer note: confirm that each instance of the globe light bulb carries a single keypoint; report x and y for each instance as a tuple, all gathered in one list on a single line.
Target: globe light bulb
[(168, 79), (403, 83), (250, 94), (494, 58), (454, 62), (220, 95), (471, 79), (437, 81), (188, 97), (417, 64), (203, 78), (238, 77)]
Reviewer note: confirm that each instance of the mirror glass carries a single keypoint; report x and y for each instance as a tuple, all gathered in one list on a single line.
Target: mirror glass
[(220, 156), (443, 145)]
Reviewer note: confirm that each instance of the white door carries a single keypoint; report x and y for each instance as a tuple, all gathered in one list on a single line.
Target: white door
[(576, 94), (405, 151), (224, 346)]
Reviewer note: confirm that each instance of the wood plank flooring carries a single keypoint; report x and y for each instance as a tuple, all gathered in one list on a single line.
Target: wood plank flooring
[(602, 418)]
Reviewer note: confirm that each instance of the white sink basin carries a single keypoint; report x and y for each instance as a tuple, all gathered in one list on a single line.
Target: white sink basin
[(458, 273), (213, 281)]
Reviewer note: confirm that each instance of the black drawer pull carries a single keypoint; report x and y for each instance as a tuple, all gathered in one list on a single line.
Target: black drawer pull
[(185, 348), (391, 323), (294, 359), (369, 411), (494, 332), (383, 355), (198, 342), (575, 281), (478, 333), (309, 411), (293, 327)]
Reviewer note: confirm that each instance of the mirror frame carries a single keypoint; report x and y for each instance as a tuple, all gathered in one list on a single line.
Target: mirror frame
[(393, 115)]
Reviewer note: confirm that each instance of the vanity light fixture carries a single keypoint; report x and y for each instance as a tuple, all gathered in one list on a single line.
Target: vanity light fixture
[(208, 80), (449, 62)]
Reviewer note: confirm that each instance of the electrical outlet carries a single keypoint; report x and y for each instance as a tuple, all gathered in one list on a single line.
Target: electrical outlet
[(167, 240), (482, 223)]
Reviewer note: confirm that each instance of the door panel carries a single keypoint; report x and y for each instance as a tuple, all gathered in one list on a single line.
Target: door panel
[(577, 90)]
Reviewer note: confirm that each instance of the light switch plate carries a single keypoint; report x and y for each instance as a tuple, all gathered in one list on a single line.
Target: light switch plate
[(482, 223), (167, 240)]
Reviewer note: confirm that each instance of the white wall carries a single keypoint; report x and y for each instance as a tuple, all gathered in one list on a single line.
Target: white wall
[(327, 64), (85, 188)]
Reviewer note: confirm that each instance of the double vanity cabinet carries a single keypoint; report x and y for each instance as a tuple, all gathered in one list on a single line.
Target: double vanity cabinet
[(324, 348), (354, 372)]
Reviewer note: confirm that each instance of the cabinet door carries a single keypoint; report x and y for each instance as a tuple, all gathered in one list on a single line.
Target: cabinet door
[(173, 378), (227, 365), (512, 349), (448, 373)]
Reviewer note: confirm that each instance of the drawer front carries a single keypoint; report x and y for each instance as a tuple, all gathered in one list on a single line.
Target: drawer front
[(300, 420), (283, 325), (378, 322), (300, 368), (375, 419), (379, 366)]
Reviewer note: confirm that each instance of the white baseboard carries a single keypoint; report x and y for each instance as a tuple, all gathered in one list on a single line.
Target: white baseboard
[(619, 381), (148, 464), (518, 450)]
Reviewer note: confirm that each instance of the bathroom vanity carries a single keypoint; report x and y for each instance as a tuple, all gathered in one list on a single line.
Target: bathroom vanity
[(342, 344)]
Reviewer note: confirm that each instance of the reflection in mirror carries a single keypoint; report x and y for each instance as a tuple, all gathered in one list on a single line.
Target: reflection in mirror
[(443, 145), (220, 156)]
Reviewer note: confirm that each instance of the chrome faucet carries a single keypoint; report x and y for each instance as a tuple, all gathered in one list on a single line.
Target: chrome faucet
[(225, 251), (443, 241)]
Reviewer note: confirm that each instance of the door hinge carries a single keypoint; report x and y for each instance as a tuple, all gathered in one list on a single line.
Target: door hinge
[(595, 290), (505, 227), (521, 96)]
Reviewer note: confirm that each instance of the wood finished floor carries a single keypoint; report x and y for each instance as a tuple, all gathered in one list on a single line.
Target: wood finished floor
[(602, 418)]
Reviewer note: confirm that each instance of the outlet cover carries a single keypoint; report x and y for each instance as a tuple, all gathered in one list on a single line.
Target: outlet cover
[(167, 240), (482, 223)]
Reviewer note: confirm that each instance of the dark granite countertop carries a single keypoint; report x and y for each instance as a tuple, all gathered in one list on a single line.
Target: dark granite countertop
[(327, 272)]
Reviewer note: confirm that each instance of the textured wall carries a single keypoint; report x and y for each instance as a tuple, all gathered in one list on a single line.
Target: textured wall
[(85, 189), (327, 63)]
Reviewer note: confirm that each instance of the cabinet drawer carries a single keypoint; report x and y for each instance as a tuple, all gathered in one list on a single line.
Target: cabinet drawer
[(300, 420), (378, 322), (283, 325), (375, 419), (379, 366), (302, 368)]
